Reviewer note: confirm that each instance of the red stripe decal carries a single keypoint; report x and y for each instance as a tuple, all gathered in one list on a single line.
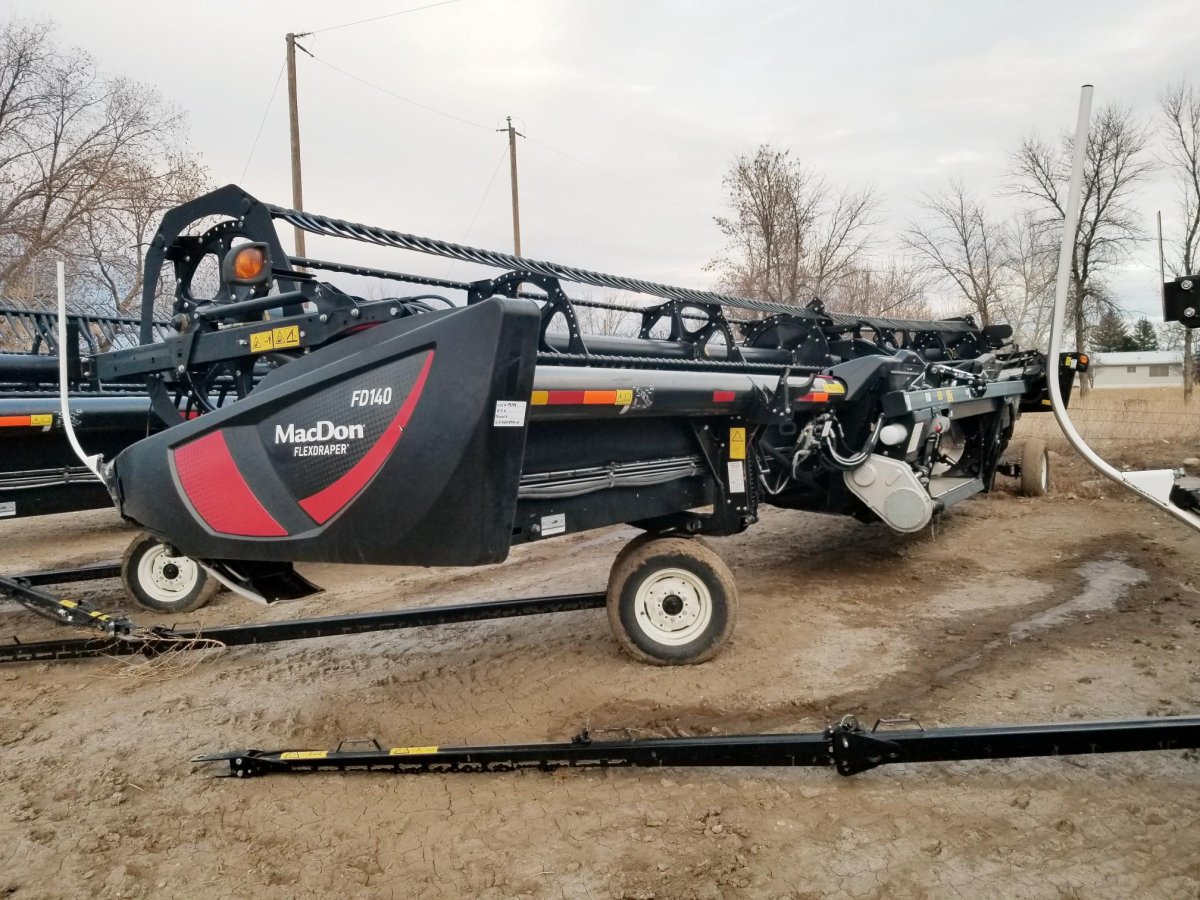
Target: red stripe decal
[(324, 504), (723, 396), (565, 398), (217, 491)]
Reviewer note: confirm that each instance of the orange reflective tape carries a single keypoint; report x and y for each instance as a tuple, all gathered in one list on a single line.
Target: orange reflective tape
[(599, 398), (539, 398), (14, 421)]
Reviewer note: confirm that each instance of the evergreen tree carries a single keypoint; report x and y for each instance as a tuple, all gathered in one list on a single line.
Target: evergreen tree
[(1144, 336), (1110, 334)]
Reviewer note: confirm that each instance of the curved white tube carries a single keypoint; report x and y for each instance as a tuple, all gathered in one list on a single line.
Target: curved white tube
[(92, 462), (1154, 485)]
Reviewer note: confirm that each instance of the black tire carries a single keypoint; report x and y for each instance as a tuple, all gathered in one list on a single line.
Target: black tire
[(1035, 468), (671, 601), (155, 578)]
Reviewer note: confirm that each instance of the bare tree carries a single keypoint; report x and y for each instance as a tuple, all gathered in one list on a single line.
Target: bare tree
[(789, 236), (87, 163), (1026, 299), (1180, 104), (1116, 164), (618, 317), (897, 290), (959, 245)]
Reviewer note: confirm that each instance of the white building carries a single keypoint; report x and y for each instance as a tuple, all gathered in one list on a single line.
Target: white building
[(1143, 369)]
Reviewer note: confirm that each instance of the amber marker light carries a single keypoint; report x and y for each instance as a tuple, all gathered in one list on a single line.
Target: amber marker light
[(249, 263)]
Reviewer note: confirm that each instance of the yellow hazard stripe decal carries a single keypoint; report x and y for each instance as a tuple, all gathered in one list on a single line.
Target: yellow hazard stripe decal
[(304, 754), (411, 751)]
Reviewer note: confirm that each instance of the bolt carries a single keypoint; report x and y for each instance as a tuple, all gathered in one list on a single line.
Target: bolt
[(323, 318), (180, 369), (1186, 284), (1190, 312), (394, 311), (354, 313)]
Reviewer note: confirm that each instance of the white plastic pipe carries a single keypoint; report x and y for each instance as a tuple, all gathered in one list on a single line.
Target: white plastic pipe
[(1154, 485), (92, 462)]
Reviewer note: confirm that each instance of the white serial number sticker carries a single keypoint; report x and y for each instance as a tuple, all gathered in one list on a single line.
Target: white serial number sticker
[(8, 509), (509, 414), (552, 525), (737, 477)]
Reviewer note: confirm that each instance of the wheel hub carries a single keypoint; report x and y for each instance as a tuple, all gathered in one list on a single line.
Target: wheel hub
[(164, 577), (673, 606)]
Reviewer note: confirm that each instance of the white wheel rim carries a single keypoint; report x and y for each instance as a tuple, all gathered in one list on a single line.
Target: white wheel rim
[(166, 578), (673, 607)]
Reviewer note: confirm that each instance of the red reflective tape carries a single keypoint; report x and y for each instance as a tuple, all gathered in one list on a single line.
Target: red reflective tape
[(218, 493), (565, 398), (815, 397), (724, 396), (324, 504)]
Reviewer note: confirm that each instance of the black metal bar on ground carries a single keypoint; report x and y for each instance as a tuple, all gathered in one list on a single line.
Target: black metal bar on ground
[(158, 640), (847, 747), (70, 576), (61, 609)]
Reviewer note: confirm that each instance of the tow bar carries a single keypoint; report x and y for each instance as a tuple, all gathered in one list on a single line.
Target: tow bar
[(847, 747), (116, 635)]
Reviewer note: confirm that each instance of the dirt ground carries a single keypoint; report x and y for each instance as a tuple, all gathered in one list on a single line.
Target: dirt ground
[(1080, 605)]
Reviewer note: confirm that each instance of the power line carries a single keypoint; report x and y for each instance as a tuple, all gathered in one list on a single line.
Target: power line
[(400, 97), (377, 18), (624, 181), (266, 112), (482, 200), (562, 153)]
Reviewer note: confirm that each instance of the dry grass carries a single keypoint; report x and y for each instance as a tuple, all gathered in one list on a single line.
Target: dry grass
[(1134, 429)]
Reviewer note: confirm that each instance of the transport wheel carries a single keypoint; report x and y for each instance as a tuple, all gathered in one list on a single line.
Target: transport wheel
[(159, 580), (671, 601), (1035, 468)]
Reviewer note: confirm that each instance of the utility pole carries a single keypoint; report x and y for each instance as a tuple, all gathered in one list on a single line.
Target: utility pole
[(294, 120), (513, 134)]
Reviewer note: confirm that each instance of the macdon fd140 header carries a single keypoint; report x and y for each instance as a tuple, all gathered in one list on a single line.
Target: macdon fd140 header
[(298, 423)]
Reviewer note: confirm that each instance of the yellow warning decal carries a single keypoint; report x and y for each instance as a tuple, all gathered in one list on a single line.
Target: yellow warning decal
[(737, 443), (286, 336), (624, 398), (280, 338), (411, 751), (834, 387), (304, 754), (69, 604), (42, 420)]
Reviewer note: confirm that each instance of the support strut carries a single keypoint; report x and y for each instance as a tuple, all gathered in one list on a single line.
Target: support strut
[(847, 747)]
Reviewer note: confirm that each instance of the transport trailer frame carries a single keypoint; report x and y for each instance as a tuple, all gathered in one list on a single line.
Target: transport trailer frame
[(847, 747)]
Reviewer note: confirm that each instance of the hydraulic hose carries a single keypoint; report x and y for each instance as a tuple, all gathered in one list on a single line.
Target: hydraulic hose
[(831, 456)]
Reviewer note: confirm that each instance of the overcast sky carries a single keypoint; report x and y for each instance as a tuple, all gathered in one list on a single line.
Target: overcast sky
[(658, 95)]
